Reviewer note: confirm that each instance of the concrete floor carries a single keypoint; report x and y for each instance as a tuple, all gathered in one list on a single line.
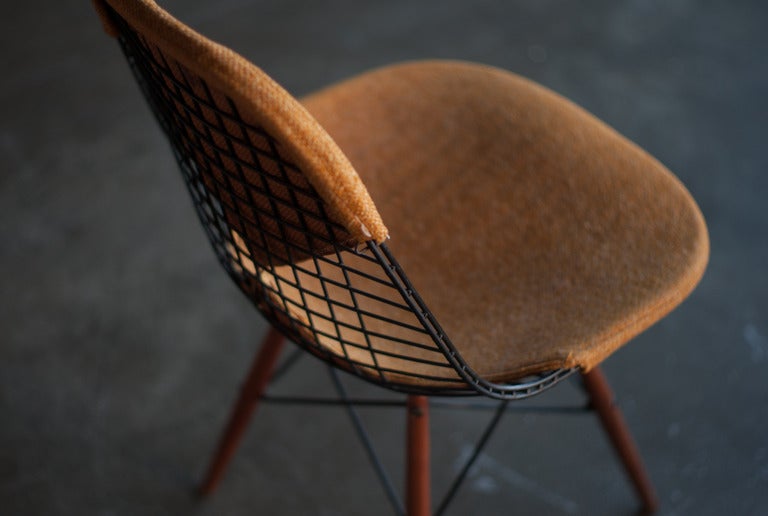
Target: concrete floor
[(123, 343)]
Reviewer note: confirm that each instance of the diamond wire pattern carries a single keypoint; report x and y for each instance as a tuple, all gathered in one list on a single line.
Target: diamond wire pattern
[(347, 303), (271, 232)]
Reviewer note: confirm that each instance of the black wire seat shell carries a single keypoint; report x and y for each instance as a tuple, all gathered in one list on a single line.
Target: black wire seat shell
[(349, 304)]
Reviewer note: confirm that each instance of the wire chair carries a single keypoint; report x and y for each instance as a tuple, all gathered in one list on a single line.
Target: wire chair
[(322, 277)]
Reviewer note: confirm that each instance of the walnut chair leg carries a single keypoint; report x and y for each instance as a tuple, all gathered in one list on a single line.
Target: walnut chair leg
[(613, 423), (250, 393), (417, 476)]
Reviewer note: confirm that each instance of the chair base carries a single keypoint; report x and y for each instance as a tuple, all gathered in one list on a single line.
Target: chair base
[(418, 488)]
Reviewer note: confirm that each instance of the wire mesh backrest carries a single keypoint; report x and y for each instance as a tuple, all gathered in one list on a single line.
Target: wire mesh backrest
[(271, 231)]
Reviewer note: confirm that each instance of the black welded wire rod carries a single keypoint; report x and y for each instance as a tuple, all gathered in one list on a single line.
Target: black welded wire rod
[(435, 404), (518, 407), (312, 400), (500, 409), (368, 445)]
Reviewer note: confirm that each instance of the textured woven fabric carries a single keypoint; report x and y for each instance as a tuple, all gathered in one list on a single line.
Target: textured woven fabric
[(538, 236), (264, 103)]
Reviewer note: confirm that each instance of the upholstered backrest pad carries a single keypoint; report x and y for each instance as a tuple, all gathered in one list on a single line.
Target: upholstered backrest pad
[(261, 103)]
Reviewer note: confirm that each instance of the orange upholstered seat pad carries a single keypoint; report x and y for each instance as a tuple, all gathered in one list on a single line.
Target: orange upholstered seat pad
[(538, 236)]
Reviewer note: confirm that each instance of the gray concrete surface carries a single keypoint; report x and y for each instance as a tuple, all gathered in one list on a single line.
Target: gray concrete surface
[(122, 343)]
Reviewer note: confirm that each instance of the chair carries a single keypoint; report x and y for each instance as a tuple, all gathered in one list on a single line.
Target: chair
[(529, 241)]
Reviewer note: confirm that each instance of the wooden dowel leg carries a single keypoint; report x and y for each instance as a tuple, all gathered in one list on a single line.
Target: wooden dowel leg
[(618, 432), (255, 384), (417, 476)]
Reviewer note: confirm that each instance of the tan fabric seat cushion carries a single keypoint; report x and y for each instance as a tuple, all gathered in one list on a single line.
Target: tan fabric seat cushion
[(538, 236)]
